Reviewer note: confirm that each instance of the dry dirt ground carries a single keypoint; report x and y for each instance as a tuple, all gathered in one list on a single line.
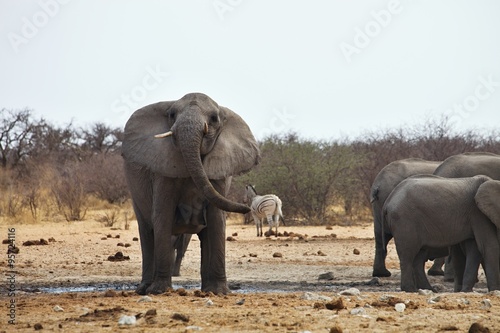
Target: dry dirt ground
[(69, 285)]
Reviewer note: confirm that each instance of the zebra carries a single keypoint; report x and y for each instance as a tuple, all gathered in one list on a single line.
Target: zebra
[(264, 206)]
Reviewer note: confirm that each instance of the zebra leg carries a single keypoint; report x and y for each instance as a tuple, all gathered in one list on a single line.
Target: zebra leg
[(257, 224)]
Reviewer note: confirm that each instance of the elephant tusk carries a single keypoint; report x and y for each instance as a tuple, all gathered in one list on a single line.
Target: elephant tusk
[(163, 135), (205, 129)]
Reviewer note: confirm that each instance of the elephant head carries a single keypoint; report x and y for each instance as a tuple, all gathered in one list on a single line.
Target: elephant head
[(192, 137), (487, 199)]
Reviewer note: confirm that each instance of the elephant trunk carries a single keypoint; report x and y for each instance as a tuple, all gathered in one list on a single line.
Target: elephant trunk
[(189, 142)]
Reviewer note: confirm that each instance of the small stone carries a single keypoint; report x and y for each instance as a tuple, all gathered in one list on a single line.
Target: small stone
[(400, 307), (321, 253), (326, 276), (135, 239), (181, 317), (425, 292), (193, 328), (38, 327), (145, 299), (495, 293), (241, 302), (358, 311), (277, 255), (235, 234), (350, 292), (120, 244), (150, 313), (315, 297), (230, 239), (374, 282), (356, 252), (57, 308), (127, 320), (253, 255), (209, 302), (336, 329), (434, 300), (478, 328), (486, 304)]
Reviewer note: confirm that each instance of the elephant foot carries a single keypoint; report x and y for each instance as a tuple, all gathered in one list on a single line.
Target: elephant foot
[(141, 289), (381, 272), (158, 287), (435, 271), (216, 288)]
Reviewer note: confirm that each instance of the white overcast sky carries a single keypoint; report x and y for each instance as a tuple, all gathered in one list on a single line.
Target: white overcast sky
[(323, 68)]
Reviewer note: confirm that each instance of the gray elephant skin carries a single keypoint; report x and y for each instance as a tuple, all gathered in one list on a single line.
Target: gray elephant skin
[(386, 180), (467, 165), (425, 212), (180, 157)]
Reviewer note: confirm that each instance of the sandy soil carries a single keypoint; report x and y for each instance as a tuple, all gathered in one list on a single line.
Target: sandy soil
[(70, 285)]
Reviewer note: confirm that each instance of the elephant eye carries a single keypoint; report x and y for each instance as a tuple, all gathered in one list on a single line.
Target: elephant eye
[(172, 115), (214, 118)]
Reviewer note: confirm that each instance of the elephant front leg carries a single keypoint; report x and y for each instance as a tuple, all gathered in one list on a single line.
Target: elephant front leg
[(163, 219), (213, 252)]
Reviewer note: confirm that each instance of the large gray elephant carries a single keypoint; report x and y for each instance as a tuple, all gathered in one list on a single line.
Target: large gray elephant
[(180, 157), (467, 165), (386, 180), (431, 212)]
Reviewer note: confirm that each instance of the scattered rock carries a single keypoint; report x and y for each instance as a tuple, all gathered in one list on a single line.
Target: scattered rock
[(209, 302), (109, 236), (374, 282), (127, 245), (321, 253), (52, 240), (150, 313), (13, 249), (127, 320), (36, 242), (120, 244), (315, 297), (486, 304), (135, 239), (495, 293), (336, 329), (182, 292), (144, 299), (118, 257), (117, 236), (181, 317), (358, 311), (329, 228), (277, 255), (337, 304), (350, 292), (241, 302), (38, 327), (400, 307), (478, 328), (57, 308), (235, 234), (326, 276), (6, 241), (104, 238), (356, 252), (253, 255), (230, 239), (425, 292)]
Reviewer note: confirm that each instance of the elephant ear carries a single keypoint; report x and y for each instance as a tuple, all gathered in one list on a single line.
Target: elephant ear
[(142, 148), (487, 199), (235, 152)]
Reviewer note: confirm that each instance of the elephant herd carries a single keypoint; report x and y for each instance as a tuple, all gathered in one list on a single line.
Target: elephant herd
[(434, 209), (180, 157)]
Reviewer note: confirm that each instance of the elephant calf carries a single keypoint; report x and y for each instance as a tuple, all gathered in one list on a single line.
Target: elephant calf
[(425, 212)]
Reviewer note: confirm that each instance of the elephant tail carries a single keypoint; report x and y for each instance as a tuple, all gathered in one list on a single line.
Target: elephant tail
[(374, 194)]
